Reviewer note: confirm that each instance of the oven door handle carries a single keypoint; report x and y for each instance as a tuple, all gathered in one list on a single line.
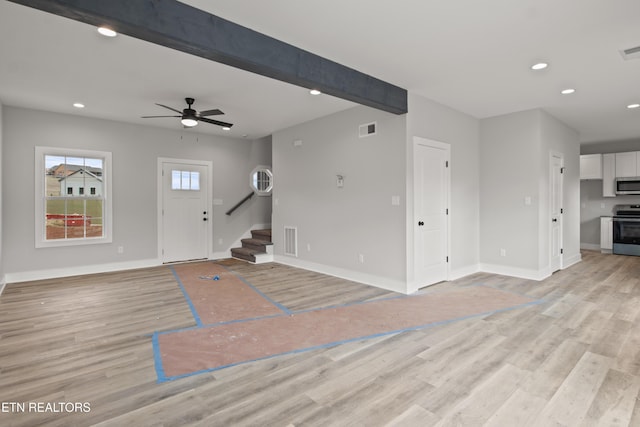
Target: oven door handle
[(627, 219)]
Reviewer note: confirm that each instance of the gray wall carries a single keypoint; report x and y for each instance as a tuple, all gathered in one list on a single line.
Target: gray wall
[(514, 163), (592, 204), (337, 225), (135, 150), (509, 172), (431, 120), (558, 137), (1, 193)]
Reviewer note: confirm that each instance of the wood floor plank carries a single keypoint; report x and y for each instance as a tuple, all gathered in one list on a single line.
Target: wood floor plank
[(572, 360), (478, 407), (569, 405), (416, 415), (520, 409), (614, 402)]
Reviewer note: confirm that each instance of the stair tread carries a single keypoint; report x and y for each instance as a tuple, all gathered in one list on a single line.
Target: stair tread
[(254, 249), (256, 242), (262, 233), (246, 251)]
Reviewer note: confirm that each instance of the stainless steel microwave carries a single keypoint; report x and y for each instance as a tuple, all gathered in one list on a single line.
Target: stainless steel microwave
[(628, 185)]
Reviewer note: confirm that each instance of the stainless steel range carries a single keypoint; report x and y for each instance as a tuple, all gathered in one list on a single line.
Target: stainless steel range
[(626, 230)]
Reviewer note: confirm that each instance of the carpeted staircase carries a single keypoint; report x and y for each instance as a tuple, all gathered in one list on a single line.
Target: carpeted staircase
[(257, 249)]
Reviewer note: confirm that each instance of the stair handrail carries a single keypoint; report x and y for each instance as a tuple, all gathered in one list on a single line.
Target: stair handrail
[(237, 205)]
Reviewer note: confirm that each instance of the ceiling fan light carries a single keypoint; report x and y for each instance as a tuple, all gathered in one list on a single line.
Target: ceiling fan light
[(107, 32), (189, 122)]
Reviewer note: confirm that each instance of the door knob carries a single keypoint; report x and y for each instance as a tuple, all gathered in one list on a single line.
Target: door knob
[(420, 223), (555, 220), (204, 219)]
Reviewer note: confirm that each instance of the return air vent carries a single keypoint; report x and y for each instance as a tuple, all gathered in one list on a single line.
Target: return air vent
[(367, 129), (291, 241), (632, 53)]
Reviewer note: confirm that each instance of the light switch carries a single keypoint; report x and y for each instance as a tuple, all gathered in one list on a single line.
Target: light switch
[(395, 200)]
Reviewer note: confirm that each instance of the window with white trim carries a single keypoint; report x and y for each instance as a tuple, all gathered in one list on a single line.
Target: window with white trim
[(66, 214)]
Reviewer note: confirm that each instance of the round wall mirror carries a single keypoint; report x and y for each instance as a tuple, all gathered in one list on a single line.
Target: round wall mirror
[(261, 180)]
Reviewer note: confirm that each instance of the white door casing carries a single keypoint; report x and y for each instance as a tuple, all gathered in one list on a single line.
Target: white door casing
[(431, 211), (184, 214), (555, 211)]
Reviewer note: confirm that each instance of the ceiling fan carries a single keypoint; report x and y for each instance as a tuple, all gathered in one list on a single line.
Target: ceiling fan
[(190, 117)]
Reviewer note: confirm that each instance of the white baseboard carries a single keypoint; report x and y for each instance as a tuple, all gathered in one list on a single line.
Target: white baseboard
[(522, 273), (571, 260), (2, 285), (590, 246), (54, 273), (343, 273), (459, 273)]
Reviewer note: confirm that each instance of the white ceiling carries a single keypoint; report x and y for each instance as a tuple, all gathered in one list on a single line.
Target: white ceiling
[(471, 55)]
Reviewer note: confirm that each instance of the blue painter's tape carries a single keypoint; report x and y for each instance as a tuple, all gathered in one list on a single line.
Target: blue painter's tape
[(186, 296), (361, 338), (157, 359), (258, 291)]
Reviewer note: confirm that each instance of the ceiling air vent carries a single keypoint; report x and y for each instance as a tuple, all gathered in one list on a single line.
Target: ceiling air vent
[(367, 129), (632, 53)]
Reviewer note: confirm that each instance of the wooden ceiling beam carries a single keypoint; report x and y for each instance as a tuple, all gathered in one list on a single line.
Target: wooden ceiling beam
[(187, 29)]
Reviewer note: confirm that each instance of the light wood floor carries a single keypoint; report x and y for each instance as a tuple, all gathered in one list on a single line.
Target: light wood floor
[(573, 360)]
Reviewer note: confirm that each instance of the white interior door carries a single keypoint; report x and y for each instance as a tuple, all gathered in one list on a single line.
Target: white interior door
[(185, 216), (556, 163), (431, 208)]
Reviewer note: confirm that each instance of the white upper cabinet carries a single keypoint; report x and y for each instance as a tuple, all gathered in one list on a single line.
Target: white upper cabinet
[(609, 175), (591, 166), (627, 164)]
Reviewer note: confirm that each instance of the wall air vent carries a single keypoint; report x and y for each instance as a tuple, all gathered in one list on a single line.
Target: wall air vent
[(631, 53), (367, 129), (290, 241)]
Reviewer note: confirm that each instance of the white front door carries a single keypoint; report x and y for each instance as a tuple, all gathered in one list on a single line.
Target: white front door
[(431, 209), (185, 213), (555, 262)]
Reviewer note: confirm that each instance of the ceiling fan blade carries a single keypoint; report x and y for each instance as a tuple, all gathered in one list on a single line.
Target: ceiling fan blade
[(214, 122), (215, 112), (154, 117), (172, 109)]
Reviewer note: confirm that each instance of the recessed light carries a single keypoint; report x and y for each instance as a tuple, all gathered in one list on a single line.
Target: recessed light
[(107, 32), (632, 106), (567, 91), (539, 66), (226, 128), (78, 105), (315, 92)]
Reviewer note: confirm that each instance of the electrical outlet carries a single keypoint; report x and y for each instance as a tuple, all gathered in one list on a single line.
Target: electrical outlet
[(503, 252), (361, 258), (308, 247), (120, 249)]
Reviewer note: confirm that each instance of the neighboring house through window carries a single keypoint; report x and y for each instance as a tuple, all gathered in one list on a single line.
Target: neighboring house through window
[(65, 214)]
